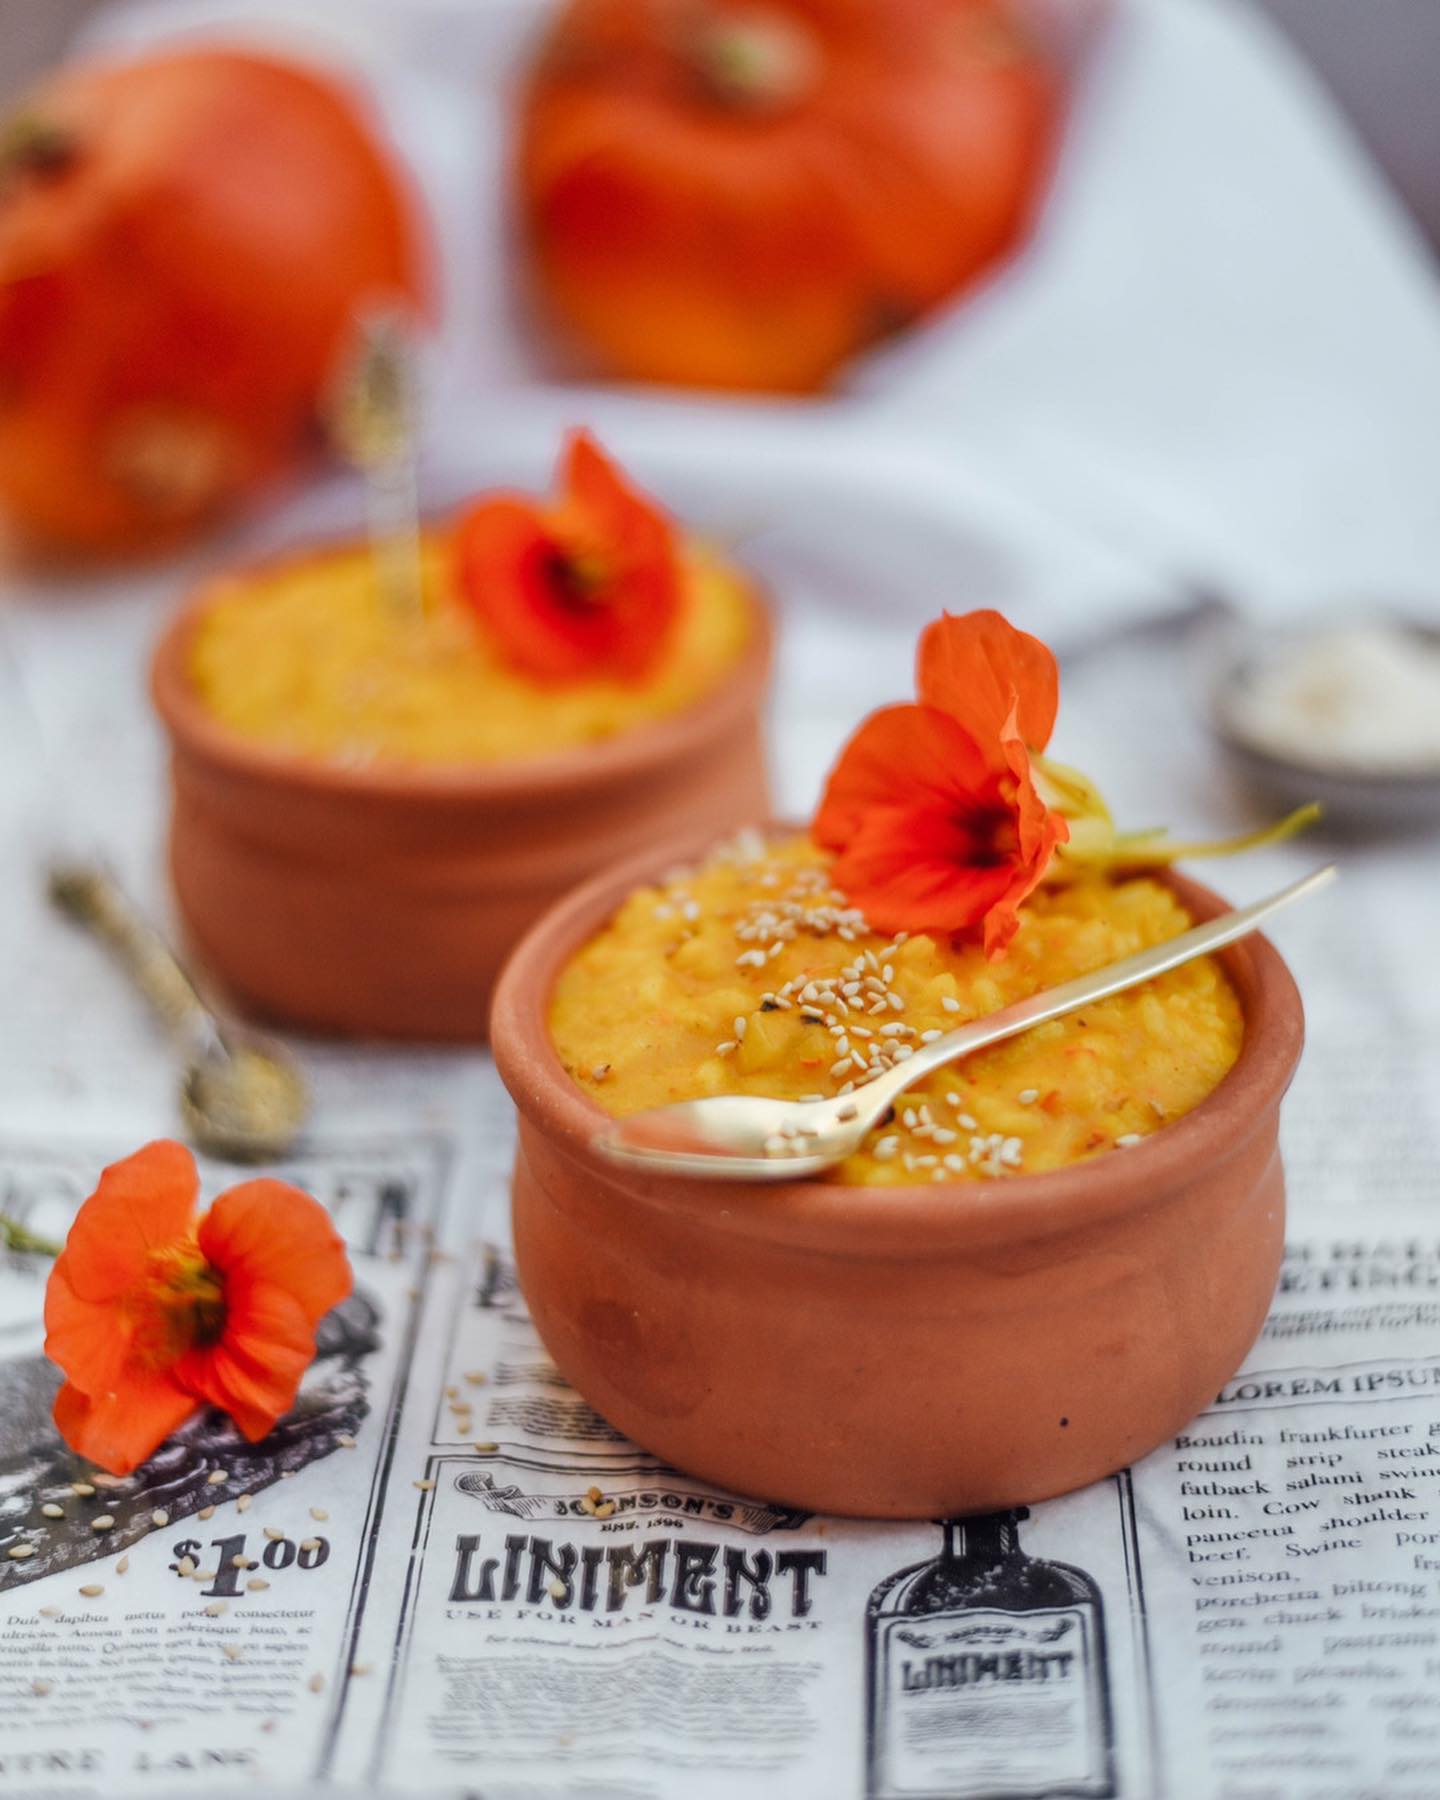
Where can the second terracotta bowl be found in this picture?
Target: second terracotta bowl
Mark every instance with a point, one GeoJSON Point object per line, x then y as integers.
{"type": "Point", "coordinates": [899, 1352]}
{"type": "Point", "coordinates": [383, 901]}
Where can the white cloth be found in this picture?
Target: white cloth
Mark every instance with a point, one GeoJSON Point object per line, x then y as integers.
{"type": "Point", "coordinates": [1219, 360]}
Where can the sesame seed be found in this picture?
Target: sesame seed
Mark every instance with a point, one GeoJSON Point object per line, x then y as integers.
{"type": "Point", "coordinates": [929, 1037]}
{"type": "Point", "coordinates": [257, 1586]}
{"type": "Point", "coordinates": [18, 1552]}
{"type": "Point", "coordinates": [725, 1048]}
{"type": "Point", "coordinates": [426, 1483]}
{"type": "Point", "coordinates": [318, 1512]}
{"type": "Point", "coordinates": [1028, 1096]}
{"type": "Point", "coordinates": [345, 1441]}
{"type": "Point", "coordinates": [52, 1511]}
{"type": "Point", "coordinates": [92, 1590]}
{"type": "Point", "coordinates": [233, 1651]}
{"type": "Point", "coordinates": [159, 1518]}
{"type": "Point", "coordinates": [275, 1534]}
{"type": "Point", "coordinates": [49, 1612]}
{"type": "Point", "coordinates": [103, 1522]}
{"type": "Point", "coordinates": [82, 1488]}
{"type": "Point", "coordinates": [600, 1071]}
{"type": "Point", "coordinates": [741, 1025]}
{"type": "Point", "coordinates": [485, 1449]}
{"type": "Point", "coordinates": [206, 1512]}
{"type": "Point", "coordinates": [185, 1567]}
{"type": "Point", "coordinates": [949, 1003]}
{"type": "Point", "coordinates": [123, 1566]}
{"type": "Point", "coordinates": [557, 1590]}
{"type": "Point", "coordinates": [244, 1503]}
{"type": "Point", "coordinates": [1130, 1140]}
{"type": "Point", "coordinates": [216, 1477]}
{"type": "Point", "coordinates": [41, 1686]}
{"type": "Point", "coordinates": [310, 1543]}
{"type": "Point", "coordinates": [837, 1069]}
{"type": "Point", "coordinates": [214, 1609]}
{"type": "Point", "coordinates": [317, 1684]}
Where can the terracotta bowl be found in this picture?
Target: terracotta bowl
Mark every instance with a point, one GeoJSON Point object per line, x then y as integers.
{"type": "Point", "coordinates": [899, 1352]}
{"type": "Point", "coordinates": [383, 901]}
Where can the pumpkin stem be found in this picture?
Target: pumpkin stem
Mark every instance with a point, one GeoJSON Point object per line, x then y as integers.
{"type": "Point", "coordinates": [34, 145]}
{"type": "Point", "coordinates": [756, 61]}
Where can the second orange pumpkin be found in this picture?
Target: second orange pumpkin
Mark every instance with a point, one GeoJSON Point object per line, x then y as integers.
{"type": "Point", "coordinates": [745, 196]}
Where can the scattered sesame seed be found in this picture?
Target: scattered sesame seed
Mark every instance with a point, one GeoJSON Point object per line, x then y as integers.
{"type": "Point", "coordinates": [345, 1441]}
{"type": "Point", "coordinates": [485, 1449]}
{"type": "Point", "coordinates": [18, 1552]}
{"type": "Point", "coordinates": [257, 1586]}
{"type": "Point", "coordinates": [123, 1566]}
{"type": "Point", "coordinates": [233, 1651]}
{"type": "Point", "coordinates": [476, 1377]}
{"type": "Point", "coordinates": [600, 1071]}
{"type": "Point", "coordinates": [82, 1488]}
{"type": "Point", "coordinates": [359, 1668]}
{"type": "Point", "coordinates": [1130, 1140]}
{"type": "Point", "coordinates": [1028, 1096]}
{"type": "Point", "coordinates": [52, 1511]}
{"type": "Point", "coordinates": [318, 1512]}
{"type": "Point", "coordinates": [274, 1533]}
{"type": "Point", "coordinates": [49, 1612]}
{"type": "Point", "coordinates": [103, 1522]}
{"type": "Point", "coordinates": [214, 1609]}
{"type": "Point", "coordinates": [310, 1543]}
{"type": "Point", "coordinates": [557, 1590]}
{"type": "Point", "coordinates": [92, 1590]}
{"type": "Point", "coordinates": [185, 1567]}
{"type": "Point", "coordinates": [40, 1686]}
{"type": "Point", "coordinates": [244, 1503]}
{"type": "Point", "coordinates": [206, 1512]}
{"type": "Point", "coordinates": [216, 1476]}
{"type": "Point", "coordinates": [159, 1518]}
{"type": "Point", "coordinates": [949, 1003]}
{"type": "Point", "coordinates": [425, 1484]}
{"type": "Point", "coordinates": [317, 1684]}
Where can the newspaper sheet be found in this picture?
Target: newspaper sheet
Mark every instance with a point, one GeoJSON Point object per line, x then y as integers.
{"type": "Point", "coordinates": [474, 1586]}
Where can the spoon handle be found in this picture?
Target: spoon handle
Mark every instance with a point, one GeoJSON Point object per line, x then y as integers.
{"type": "Point", "coordinates": [1113, 978]}
{"type": "Point", "coordinates": [87, 893]}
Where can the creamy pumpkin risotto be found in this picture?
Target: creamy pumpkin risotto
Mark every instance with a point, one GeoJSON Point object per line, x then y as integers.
{"type": "Point", "coordinates": [308, 656]}
{"type": "Point", "coordinates": [750, 975]}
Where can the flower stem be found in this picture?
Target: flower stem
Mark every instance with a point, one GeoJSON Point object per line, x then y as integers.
{"type": "Point", "coordinates": [22, 1241]}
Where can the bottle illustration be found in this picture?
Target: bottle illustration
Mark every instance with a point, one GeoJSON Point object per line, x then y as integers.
{"type": "Point", "coordinates": [987, 1675]}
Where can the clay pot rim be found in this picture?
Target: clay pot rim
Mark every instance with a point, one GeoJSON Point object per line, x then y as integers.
{"type": "Point", "coordinates": [901, 1221]}
{"type": "Point", "coordinates": [655, 743]}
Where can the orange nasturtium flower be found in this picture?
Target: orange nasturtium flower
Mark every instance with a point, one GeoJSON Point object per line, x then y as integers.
{"type": "Point", "coordinates": [586, 585]}
{"type": "Point", "coordinates": [932, 811]}
{"type": "Point", "coordinates": [151, 1316]}
{"type": "Point", "coordinates": [945, 815]}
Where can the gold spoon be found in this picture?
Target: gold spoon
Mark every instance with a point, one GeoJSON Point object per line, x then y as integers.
{"type": "Point", "coordinates": [373, 421]}
{"type": "Point", "coordinates": [241, 1098]}
{"type": "Point", "coordinates": [747, 1137]}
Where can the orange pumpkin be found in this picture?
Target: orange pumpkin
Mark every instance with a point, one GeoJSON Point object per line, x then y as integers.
{"type": "Point", "coordinates": [745, 195]}
{"type": "Point", "coordinates": [184, 240]}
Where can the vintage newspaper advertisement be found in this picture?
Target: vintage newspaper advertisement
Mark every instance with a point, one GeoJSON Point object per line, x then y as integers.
{"type": "Point", "coordinates": [445, 1573]}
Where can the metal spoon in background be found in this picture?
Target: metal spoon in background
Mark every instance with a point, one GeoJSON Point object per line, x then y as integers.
{"type": "Point", "coordinates": [373, 422]}
{"type": "Point", "coordinates": [241, 1098]}
{"type": "Point", "coordinates": [747, 1137]}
